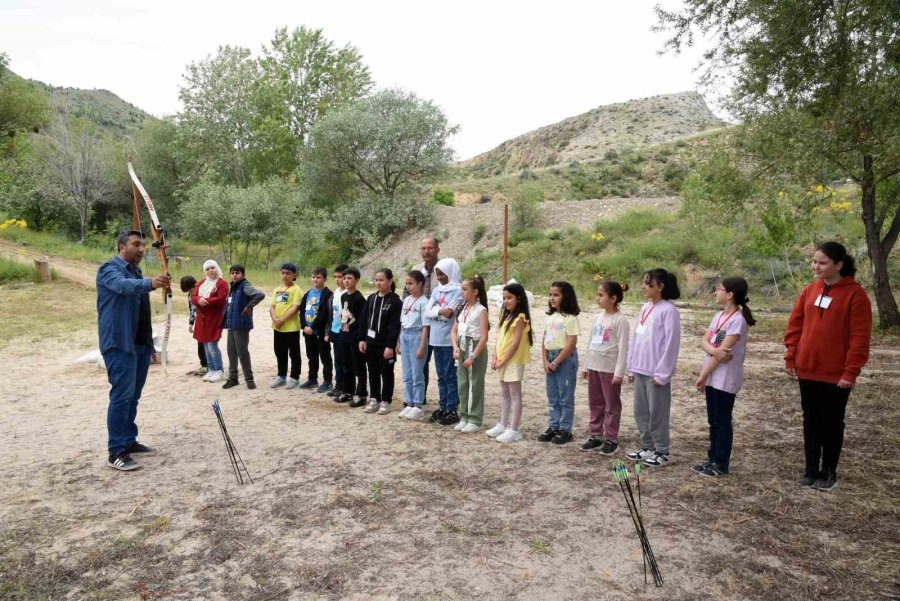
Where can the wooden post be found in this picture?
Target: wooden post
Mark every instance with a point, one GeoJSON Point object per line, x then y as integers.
{"type": "Point", "coordinates": [43, 268]}
{"type": "Point", "coordinates": [505, 243]}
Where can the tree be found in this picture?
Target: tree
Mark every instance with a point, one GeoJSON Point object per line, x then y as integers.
{"type": "Point", "coordinates": [23, 106]}
{"type": "Point", "coordinates": [78, 167]}
{"type": "Point", "coordinates": [383, 144]}
{"type": "Point", "coordinates": [818, 85]}
{"type": "Point", "coordinates": [303, 78]}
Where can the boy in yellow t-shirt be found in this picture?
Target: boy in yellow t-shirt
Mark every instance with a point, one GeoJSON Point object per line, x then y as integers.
{"type": "Point", "coordinates": [285, 314]}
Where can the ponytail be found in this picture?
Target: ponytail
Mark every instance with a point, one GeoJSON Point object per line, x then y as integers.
{"type": "Point", "coordinates": [659, 275]}
{"type": "Point", "coordinates": [613, 288]}
{"type": "Point", "coordinates": [739, 288]}
{"type": "Point", "coordinates": [837, 253]}
{"type": "Point", "coordinates": [389, 275]}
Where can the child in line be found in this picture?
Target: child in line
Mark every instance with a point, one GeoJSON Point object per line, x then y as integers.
{"type": "Point", "coordinates": [604, 369]}
{"type": "Point", "coordinates": [469, 338]}
{"type": "Point", "coordinates": [242, 297]}
{"type": "Point", "coordinates": [285, 315]}
{"type": "Point", "coordinates": [314, 322]}
{"type": "Point", "coordinates": [511, 354]}
{"type": "Point", "coordinates": [210, 296]}
{"type": "Point", "coordinates": [560, 357]}
{"type": "Point", "coordinates": [439, 315]}
{"type": "Point", "coordinates": [354, 362]}
{"type": "Point", "coordinates": [413, 345]}
{"type": "Point", "coordinates": [333, 334]}
{"type": "Point", "coordinates": [652, 359]}
{"type": "Point", "coordinates": [187, 285]}
{"type": "Point", "coordinates": [379, 332]}
{"type": "Point", "coordinates": [722, 375]}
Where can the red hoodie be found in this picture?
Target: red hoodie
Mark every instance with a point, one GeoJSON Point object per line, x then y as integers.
{"type": "Point", "coordinates": [830, 344]}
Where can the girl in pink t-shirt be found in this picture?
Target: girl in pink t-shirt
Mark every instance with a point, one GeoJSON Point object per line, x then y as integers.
{"type": "Point", "coordinates": [722, 375]}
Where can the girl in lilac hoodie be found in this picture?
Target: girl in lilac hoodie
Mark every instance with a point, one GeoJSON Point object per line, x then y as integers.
{"type": "Point", "coordinates": [652, 357]}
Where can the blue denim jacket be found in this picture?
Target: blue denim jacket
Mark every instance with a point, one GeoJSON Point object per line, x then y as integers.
{"type": "Point", "coordinates": [119, 289]}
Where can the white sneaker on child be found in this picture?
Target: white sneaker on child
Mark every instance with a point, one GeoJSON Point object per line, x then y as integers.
{"type": "Point", "coordinates": [215, 376]}
{"type": "Point", "coordinates": [415, 413]}
{"type": "Point", "coordinates": [372, 407]}
{"type": "Point", "coordinates": [469, 428]}
{"type": "Point", "coordinates": [496, 431]}
{"type": "Point", "coordinates": [384, 408]}
{"type": "Point", "coordinates": [510, 436]}
{"type": "Point", "coordinates": [405, 411]}
{"type": "Point", "coordinates": [460, 425]}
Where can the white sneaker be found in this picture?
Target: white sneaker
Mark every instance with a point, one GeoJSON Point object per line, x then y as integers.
{"type": "Point", "coordinates": [510, 435]}
{"type": "Point", "coordinates": [277, 382]}
{"type": "Point", "coordinates": [292, 383]}
{"type": "Point", "coordinates": [415, 413]}
{"type": "Point", "coordinates": [470, 428]}
{"type": "Point", "coordinates": [384, 408]}
{"type": "Point", "coordinates": [207, 375]}
{"type": "Point", "coordinates": [658, 460]}
{"type": "Point", "coordinates": [496, 431]}
{"type": "Point", "coordinates": [460, 425]}
{"type": "Point", "coordinates": [372, 406]}
{"type": "Point", "coordinates": [405, 411]}
{"type": "Point", "coordinates": [215, 376]}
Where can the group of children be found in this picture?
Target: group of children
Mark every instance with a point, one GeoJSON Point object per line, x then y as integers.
{"type": "Point", "coordinates": [358, 340]}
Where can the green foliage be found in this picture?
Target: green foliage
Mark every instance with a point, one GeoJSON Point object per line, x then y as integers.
{"type": "Point", "coordinates": [716, 191]}
{"type": "Point", "coordinates": [478, 232]}
{"type": "Point", "coordinates": [383, 144]}
{"type": "Point", "coordinates": [443, 196]}
{"type": "Point", "coordinates": [524, 205]}
{"type": "Point", "coordinates": [359, 226]}
{"type": "Point", "coordinates": [13, 271]}
{"type": "Point", "coordinates": [23, 106]}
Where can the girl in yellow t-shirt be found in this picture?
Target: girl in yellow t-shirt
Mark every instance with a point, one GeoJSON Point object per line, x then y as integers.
{"type": "Point", "coordinates": [512, 353]}
{"type": "Point", "coordinates": [560, 359]}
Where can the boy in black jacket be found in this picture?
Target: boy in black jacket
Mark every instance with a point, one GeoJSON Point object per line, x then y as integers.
{"type": "Point", "coordinates": [354, 362]}
{"type": "Point", "coordinates": [379, 332]}
{"type": "Point", "coordinates": [314, 323]}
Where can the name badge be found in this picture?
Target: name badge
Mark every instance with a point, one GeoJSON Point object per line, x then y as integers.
{"type": "Point", "coordinates": [640, 329]}
{"type": "Point", "coordinates": [371, 333]}
{"type": "Point", "coordinates": [823, 302]}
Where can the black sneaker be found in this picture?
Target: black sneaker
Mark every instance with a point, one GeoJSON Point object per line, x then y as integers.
{"type": "Point", "coordinates": [592, 444]}
{"type": "Point", "coordinates": [548, 435]}
{"type": "Point", "coordinates": [229, 384]}
{"type": "Point", "coordinates": [359, 401]}
{"type": "Point", "coordinates": [435, 416]}
{"type": "Point", "coordinates": [701, 466]}
{"type": "Point", "coordinates": [562, 437]}
{"type": "Point", "coordinates": [343, 398]}
{"type": "Point", "coordinates": [449, 418]}
{"type": "Point", "coordinates": [609, 447]}
{"type": "Point", "coordinates": [310, 384]}
{"type": "Point", "coordinates": [809, 479]}
{"type": "Point", "coordinates": [827, 483]}
{"type": "Point", "coordinates": [711, 469]}
{"type": "Point", "coordinates": [251, 385]}
{"type": "Point", "coordinates": [122, 462]}
{"type": "Point", "coordinates": [137, 447]}
{"type": "Point", "coordinates": [334, 392]}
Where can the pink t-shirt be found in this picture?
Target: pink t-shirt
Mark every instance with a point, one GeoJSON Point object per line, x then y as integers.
{"type": "Point", "coordinates": [728, 377]}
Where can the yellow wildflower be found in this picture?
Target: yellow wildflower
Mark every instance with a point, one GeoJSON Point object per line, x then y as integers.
{"type": "Point", "coordinates": [598, 236]}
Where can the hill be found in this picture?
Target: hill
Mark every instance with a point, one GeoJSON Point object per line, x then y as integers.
{"type": "Point", "coordinates": [116, 116]}
{"type": "Point", "coordinates": [635, 123]}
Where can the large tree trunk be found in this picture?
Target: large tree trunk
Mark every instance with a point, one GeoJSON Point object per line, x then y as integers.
{"type": "Point", "coordinates": [888, 313]}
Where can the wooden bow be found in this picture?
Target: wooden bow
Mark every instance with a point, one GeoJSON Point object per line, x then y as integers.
{"type": "Point", "coordinates": [159, 243]}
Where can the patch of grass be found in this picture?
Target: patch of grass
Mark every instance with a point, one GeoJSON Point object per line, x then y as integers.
{"type": "Point", "coordinates": [375, 489]}
{"type": "Point", "coordinates": [539, 546]}
{"type": "Point", "coordinates": [13, 271]}
{"type": "Point", "coordinates": [478, 232]}
{"type": "Point", "coordinates": [60, 309]}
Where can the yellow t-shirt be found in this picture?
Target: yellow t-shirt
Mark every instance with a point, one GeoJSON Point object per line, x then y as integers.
{"type": "Point", "coordinates": [557, 329]}
{"type": "Point", "coordinates": [515, 369]}
{"type": "Point", "coordinates": [283, 299]}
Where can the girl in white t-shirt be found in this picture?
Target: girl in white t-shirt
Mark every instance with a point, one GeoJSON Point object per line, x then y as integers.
{"type": "Point", "coordinates": [469, 338]}
{"type": "Point", "coordinates": [414, 345]}
{"type": "Point", "coordinates": [722, 375]}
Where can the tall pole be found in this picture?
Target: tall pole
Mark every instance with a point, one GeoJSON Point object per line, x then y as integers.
{"type": "Point", "coordinates": [505, 243]}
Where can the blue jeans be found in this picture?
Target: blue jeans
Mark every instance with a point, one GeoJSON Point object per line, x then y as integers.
{"type": "Point", "coordinates": [127, 373]}
{"type": "Point", "coordinates": [413, 369]}
{"type": "Point", "coordinates": [213, 356]}
{"type": "Point", "coordinates": [448, 396]}
{"type": "Point", "coordinates": [561, 391]}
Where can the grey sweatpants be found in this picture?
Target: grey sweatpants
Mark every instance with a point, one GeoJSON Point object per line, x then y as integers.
{"type": "Point", "coordinates": [239, 348]}
{"type": "Point", "coordinates": [652, 404]}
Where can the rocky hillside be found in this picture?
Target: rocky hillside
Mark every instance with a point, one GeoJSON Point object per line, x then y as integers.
{"type": "Point", "coordinates": [635, 123]}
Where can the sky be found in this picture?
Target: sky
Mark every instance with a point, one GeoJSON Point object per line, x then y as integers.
{"type": "Point", "coordinates": [498, 69]}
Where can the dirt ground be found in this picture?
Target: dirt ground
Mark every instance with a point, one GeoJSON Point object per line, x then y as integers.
{"type": "Point", "coordinates": [357, 506]}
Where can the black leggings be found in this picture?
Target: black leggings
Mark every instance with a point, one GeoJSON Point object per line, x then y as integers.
{"type": "Point", "coordinates": [353, 363]}
{"type": "Point", "coordinates": [381, 373]}
{"type": "Point", "coordinates": [824, 406]}
{"type": "Point", "coordinates": [287, 344]}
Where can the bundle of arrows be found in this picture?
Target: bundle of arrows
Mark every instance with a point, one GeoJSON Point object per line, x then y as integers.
{"type": "Point", "coordinates": [237, 464]}
{"type": "Point", "coordinates": [621, 476]}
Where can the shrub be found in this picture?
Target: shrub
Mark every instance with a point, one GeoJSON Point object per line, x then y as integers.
{"type": "Point", "coordinates": [554, 235]}
{"type": "Point", "coordinates": [524, 205]}
{"type": "Point", "coordinates": [443, 196]}
{"type": "Point", "coordinates": [478, 232]}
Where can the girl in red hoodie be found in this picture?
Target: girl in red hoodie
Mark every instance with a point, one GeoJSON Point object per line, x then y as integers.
{"type": "Point", "coordinates": [827, 340]}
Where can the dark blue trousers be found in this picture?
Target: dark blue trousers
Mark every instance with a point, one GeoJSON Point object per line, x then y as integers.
{"type": "Point", "coordinates": [127, 373]}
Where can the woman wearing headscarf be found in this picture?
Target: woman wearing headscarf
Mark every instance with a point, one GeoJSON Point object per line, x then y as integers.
{"type": "Point", "coordinates": [440, 314]}
{"type": "Point", "coordinates": [210, 296]}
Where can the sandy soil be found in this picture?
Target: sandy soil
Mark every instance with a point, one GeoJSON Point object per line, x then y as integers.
{"type": "Point", "coordinates": [350, 505]}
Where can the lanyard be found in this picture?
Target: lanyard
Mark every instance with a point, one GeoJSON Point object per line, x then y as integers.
{"type": "Point", "coordinates": [719, 324]}
{"type": "Point", "coordinates": [378, 327]}
{"type": "Point", "coordinates": [644, 316]}
{"type": "Point", "coordinates": [412, 305]}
